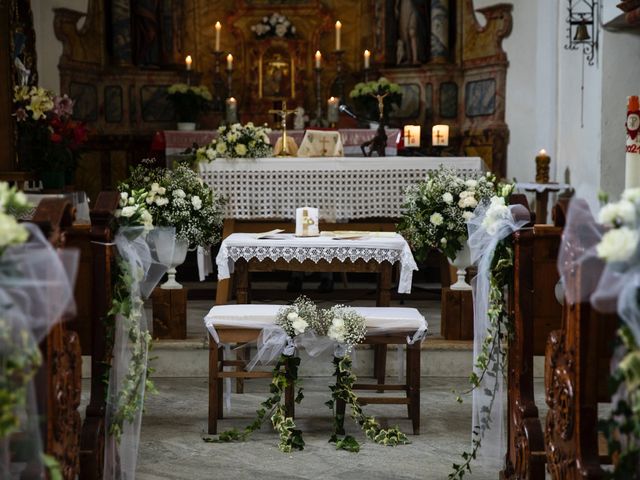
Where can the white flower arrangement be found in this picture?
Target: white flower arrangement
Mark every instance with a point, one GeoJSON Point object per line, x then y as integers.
{"type": "Point", "coordinates": [295, 319]}
{"type": "Point", "coordinates": [178, 198]}
{"type": "Point", "coordinates": [13, 203]}
{"type": "Point", "coordinates": [436, 211]}
{"type": "Point", "coordinates": [620, 244]}
{"type": "Point", "coordinates": [237, 141]}
{"type": "Point", "coordinates": [497, 211]}
{"type": "Point", "coordinates": [342, 324]}
{"type": "Point", "coordinates": [274, 25]}
{"type": "Point", "coordinates": [133, 211]}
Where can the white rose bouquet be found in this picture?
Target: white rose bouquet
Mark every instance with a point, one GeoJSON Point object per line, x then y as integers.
{"type": "Point", "coordinates": [178, 198]}
{"type": "Point", "coordinates": [437, 210]}
{"type": "Point", "coordinates": [295, 319]}
{"type": "Point", "coordinates": [132, 209]}
{"type": "Point", "coordinates": [237, 141]}
{"type": "Point", "coordinates": [342, 324]}
{"type": "Point", "coordinates": [620, 243]}
{"type": "Point", "coordinates": [274, 25]}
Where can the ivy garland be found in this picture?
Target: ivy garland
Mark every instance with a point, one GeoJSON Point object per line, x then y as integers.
{"type": "Point", "coordinates": [491, 361]}
{"type": "Point", "coordinates": [342, 390]}
{"type": "Point", "coordinates": [285, 374]}
{"type": "Point", "coordinates": [622, 428]}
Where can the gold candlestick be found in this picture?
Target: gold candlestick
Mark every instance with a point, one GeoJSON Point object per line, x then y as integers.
{"type": "Point", "coordinates": [283, 112]}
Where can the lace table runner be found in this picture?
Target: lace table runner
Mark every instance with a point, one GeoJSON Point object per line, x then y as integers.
{"type": "Point", "coordinates": [342, 188]}
{"type": "Point", "coordinates": [245, 246]}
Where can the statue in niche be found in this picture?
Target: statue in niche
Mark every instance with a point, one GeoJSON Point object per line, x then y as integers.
{"type": "Point", "coordinates": [22, 72]}
{"type": "Point", "coordinates": [146, 28]}
{"type": "Point", "coordinates": [411, 32]}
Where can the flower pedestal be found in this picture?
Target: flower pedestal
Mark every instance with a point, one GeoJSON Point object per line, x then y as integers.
{"type": "Point", "coordinates": [179, 255]}
{"type": "Point", "coordinates": [170, 313]}
{"type": "Point", "coordinates": [461, 262]}
{"type": "Point", "coordinates": [457, 314]}
{"type": "Point", "coordinates": [186, 126]}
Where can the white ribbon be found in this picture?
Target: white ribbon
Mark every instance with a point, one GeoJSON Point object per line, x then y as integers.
{"type": "Point", "coordinates": [36, 291]}
{"type": "Point", "coordinates": [483, 244]}
{"type": "Point", "coordinates": [138, 248]}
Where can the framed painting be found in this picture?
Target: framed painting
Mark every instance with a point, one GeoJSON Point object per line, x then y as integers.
{"type": "Point", "coordinates": [276, 74]}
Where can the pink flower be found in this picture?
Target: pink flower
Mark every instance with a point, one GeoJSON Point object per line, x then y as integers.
{"type": "Point", "coordinates": [63, 105]}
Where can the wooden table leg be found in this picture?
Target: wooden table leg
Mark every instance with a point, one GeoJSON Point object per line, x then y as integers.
{"type": "Point", "coordinates": [413, 385]}
{"type": "Point", "coordinates": [242, 297]}
{"type": "Point", "coordinates": [215, 387]}
{"type": "Point", "coordinates": [542, 200]}
{"type": "Point", "coordinates": [383, 300]}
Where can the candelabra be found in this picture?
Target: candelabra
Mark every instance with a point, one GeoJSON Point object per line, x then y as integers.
{"type": "Point", "coordinates": [229, 82]}
{"type": "Point", "coordinates": [219, 93]}
{"type": "Point", "coordinates": [318, 121]}
{"type": "Point", "coordinates": [367, 71]}
{"type": "Point", "coordinates": [340, 80]}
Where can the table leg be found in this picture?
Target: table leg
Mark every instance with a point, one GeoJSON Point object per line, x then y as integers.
{"type": "Point", "coordinates": [542, 200]}
{"type": "Point", "coordinates": [223, 288]}
{"type": "Point", "coordinates": [383, 300]}
{"type": "Point", "coordinates": [242, 297]}
{"type": "Point", "coordinates": [215, 387]}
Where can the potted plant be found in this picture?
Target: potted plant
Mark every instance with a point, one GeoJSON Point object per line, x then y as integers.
{"type": "Point", "coordinates": [364, 96]}
{"type": "Point", "coordinates": [189, 102]}
{"type": "Point", "coordinates": [49, 140]}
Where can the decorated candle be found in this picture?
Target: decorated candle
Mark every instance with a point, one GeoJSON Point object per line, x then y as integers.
{"type": "Point", "coordinates": [318, 59]}
{"type": "Point", "coordinates": [229, 62]}
{"type": "Point", "coordinates": [218, 28]}
{"type": "Point", "coordinates": [307, 222]}
{"type": "Point", "coordinates": [332, 110]}
{"type": "Point", "coordinates": [338, 35]}
{"type": "Point", "coordinates": [188, 61]}
{"type": "Point", "coordinates": [367, 59]}
{"type": "Point", "coordinates": [412, 136]}
{"type": "Point", "coordinates": [632, 158]}
{"type": "Point", "coordinates": [440, 135]}
{"type": "Point", "coordinates": [542, 166]}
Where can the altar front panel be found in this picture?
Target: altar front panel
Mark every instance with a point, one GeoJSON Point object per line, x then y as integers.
{"type": "Point", "coordinates": [342, 188]}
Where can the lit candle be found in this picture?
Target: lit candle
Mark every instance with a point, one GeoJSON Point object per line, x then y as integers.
{"type": "Point", "coordinates": [412, 136]}
{"type": "Point", "coordinates": [332, 110]}
{"type": "Point", "coordinates": [542, 166]}
{"type": "Point", "coordinates": [440, 135]}
{"type": "Point", "coordinates": [338, 33]}
{"type": "Point", "coordinates": [318, 59]}
{"type": "Point", "coordinates": [232, 110]}
{"type": "Point", "coordinates": [229, 62]}
{"type": "Point", "coordinates": [367, 59]}
{"type": "Point", "coordinates": [188, 61]}
{"type": "Point", "coordinates": [218, 28]}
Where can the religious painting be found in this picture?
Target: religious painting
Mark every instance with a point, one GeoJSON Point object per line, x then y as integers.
{"type": "Point", "coordinates": [410, 104]}
{"type": "Point", "coordinates": [120, 31]}
{"type": "Point", "coordinates": [449, 100]}
{"type": "Point", "coordinates": [155, 105]}
{"type": "Point", "coordinates": [480, 98]}
{"type": "Point", "coordinates": [22, 44]}
{"type": "Point", "coordinates": [276, 74]}
{"type": "Point", "coordinates": [113, 104]}
{"type": "Point", "coordinates": [85, 101]}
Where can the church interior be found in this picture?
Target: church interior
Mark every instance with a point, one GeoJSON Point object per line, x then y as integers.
{"type": "Point", "coordinates": [295, 239]}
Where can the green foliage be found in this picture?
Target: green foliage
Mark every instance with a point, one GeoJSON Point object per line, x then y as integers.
{"type": "Point", "coordinates": [342, 390]}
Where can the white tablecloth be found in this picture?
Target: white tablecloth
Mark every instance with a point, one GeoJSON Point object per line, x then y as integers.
{"type": "Point", "coordinates": [342, 188]}
{"type": "Point", "coordinates": [393, 249]}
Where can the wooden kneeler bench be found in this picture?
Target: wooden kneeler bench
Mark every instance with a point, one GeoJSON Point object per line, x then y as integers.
{"type": "Point", "coordinates": [238, 324]}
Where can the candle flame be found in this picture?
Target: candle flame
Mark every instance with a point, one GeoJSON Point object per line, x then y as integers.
{"type": "Point", "coordinates": [338, 24]}
{"type": "Point", "coordinates": [542, 152]}
{"type": "Point", "coordinates": [218, 26]}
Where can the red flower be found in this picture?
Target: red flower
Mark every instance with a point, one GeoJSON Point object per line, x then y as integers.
{"type": "Point", "coordinates": [56, 137]}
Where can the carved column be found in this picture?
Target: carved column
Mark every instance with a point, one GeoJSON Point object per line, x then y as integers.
{"type": "Point", "coordinates": [440, 22]}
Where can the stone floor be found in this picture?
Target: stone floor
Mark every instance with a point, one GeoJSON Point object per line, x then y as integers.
{"type": "Point", "coordinates": [174, 424]}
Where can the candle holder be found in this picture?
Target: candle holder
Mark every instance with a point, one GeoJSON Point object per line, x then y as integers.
{"type": "Point", "coordinates": [367, 72]}
{"type": "Point", "coordinates": [318, 121]}
{"type": "Point", "coordinates": [542, 167]}
{"type": "Point", "coordinates": [230, 82]}
{"type": "Point", "coordinates": [189, 77]}
{"type": "Point", "coordinates": [339, 81]}
{"type": "Point", "coordinates": [219, 88]}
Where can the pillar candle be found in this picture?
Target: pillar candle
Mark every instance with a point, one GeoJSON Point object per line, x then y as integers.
{"type": "Point", "coordinates": [232, 110]}
{"type": "Point", "coordinates": [332, 110]}
{"type": "Point", "coordinates": [542, 166]}
{"type": "Point", "coordinates": [229, 62]}
{"type": "Point", "coordinates": [218, 28]}
{"type": "Point", "coordinates": [632, 158]}
{"type": "Point", "coordinates": [318, 59]}
{"type": "Point", "coordinates": [412, 136]}
{"type": "Point", "coordinates": [367, 59]}
{"type": "Point", "coordinates": [338, 34]}
{"type": "Point", "coordinates": [440, 135]}
{"type": "Point", "coordinates": [188, 61]}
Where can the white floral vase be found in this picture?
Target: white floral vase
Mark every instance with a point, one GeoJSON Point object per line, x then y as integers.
{"type": "Point", "coordinates": [179, 255]}
{"type": "Point", "coordinates": [461, 262]}
{"type": "Point", "coordinates": [186, 126]}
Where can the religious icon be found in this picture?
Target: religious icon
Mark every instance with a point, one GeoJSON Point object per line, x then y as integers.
{"type": "Point", "coordinates": [276, 74]}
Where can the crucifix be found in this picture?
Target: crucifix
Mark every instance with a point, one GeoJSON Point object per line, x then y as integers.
{"type": "Point", "coordinates": [324, 145]}
{"type": "Point", "coordinates": [439, 137]}
{"type": "Point", "coordinates": [379, 142]}
{"type": "Point", "coordinates": [283, 112]}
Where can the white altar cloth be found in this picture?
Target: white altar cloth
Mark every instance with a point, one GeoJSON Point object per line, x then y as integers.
{"type": "Point", "coordinates": [393, 248]}
{"type": "Point", "coordinates": [342, 188]}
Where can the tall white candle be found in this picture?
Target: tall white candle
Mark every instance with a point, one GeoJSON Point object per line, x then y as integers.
{"type": "Point", "coordinates": [632, 158]}
{"type": "Point", "coordinates": [338, 34]}
{"type": "Point", "coordinates": [188, 61]}
{"type": "Point", "coordinates": [318, 59]}
{"type": "Point", "coordinates": [367, 59]}
{"type": "Point", "coordinates": [229, 62]}
{"type": "Point", "coordinates": [218, 28]}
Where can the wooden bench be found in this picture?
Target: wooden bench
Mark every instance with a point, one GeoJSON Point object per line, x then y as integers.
{"type": "Point", "coordinates": [243, 324]}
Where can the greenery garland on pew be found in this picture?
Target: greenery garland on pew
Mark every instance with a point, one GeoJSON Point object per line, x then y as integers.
{"type": "Point", "coordinates": [344, 326]}
{"type": "Point", "coordinates": [500, 329]}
